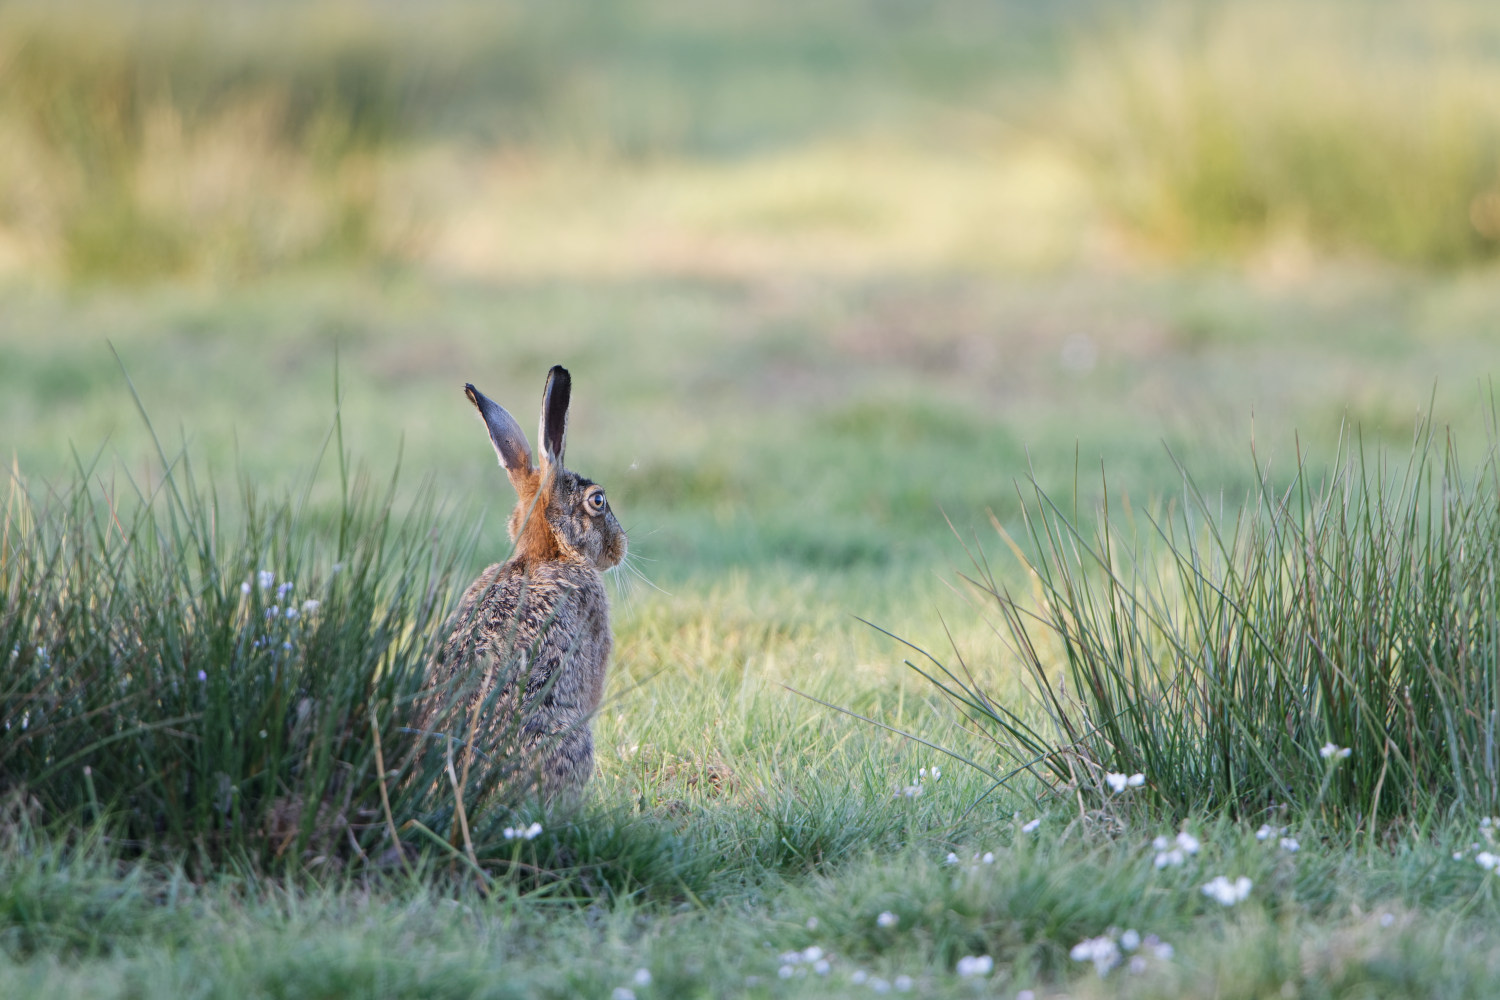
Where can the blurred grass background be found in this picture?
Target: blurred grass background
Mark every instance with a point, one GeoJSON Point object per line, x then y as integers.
{"type": "Point", "coordinates": [824, 272]}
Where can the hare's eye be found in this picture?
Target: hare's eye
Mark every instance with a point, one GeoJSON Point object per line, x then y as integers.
{"type": "Point", "coordinates": [596, 501]}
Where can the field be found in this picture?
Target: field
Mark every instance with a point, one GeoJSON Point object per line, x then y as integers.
{"type": "Point", "coordinates": [1048, 348]}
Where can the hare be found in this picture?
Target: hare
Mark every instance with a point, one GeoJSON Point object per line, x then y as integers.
{"type": "Point", "coordinates": [530, 641]}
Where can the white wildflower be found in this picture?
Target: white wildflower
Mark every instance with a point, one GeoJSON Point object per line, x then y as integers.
{"type": "Point", "coordinates": [1387, 919]}
{"type": "Point", "coordinates": [812, 953]}
{"type": "Point", "coordinates": [1225, 892]}
{"type": "Point", "coordinates": [812, 923]}
{"type": "Point", "coordinates": [887, 919]}
{"type": "Point", "coordinates": [975, 965]}
{"type": "Point", "coordinates": [311, 605]}
{"type": "Point", "coordinates": [1130, 940]}
{"type": "Point", "coordinates": [1137, 965]}
{"type": "Point", "coordinates": [786, 972]}
{"type": "Point", "coordinates": [1290, 845]}
{"type": "Point", "coordinates": [903, 984]}
{"type": "Point", "coordinates": [951, 859]}
{"type": "Point", "coordinates": [1119, 782]}
{"type": "Point", "coordinates": [1102, 951]}
{"type": "Point", "coordinates": [880, 986]}
{"type": "Point", "coordinates": [622, 993]}
{"type": "Point", "coordinates": [1332, 751]}
{"type": "Point", "coordinates": [244, 588]}
{"type": "Point", "coordinates": [203, 675]}
{"type": "Point", "coordinates": [910, 791]}
{"type": "Point", "coordinates": [642, 977]}
{"type": "Point", "coordinates": [821, 967]}
{"type": "Point", "coordinates": [291, 614]}
{"type": "Point", "coordinates": [858, 976]}
{"type": "Point", "coordinates": [989, 857]}
{"type": "Point", "coordinates": [283, 590]}
{"type": "Point", "coordinates": [1026, 995]}
{"type": "Point", "coordinates": [523, 833]}
{"type": "Point", "coordinates": [1486, 860]}
{"type": "Point", "coordinates": [266, 579]}
{"type": "Point", "coordinates": [1031, 827]}
{"type": "Point", "coordinates": [1188, 842]}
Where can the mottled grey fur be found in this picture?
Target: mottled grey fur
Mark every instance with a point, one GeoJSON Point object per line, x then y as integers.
{"type": "Point", "coordinates": [529, 644]}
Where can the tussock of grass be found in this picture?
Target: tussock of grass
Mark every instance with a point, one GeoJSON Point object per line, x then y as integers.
{"type": "Point", "coordinates": [1329, 651]}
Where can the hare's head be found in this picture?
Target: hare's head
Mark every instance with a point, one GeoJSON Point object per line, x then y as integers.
{"type": "Point", "coordinates": [560, 516]}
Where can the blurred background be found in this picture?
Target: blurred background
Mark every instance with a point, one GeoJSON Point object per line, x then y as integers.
{"type": "Point", "coordinates": [825, 274]}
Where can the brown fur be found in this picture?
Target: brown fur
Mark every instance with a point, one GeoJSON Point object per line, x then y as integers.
{"type": "Point", "coordinates": [537, 625]}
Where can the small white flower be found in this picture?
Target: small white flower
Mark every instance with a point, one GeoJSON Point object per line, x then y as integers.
{"type": "Point", "coordinates": [786, 972]}
{"type": "Point", "coordinates": [1130, 940]}
{"type": "Point", "coordinates": [203, 675]}
{"type": "Point", "coordinates": [642, 977]}
{"type": "Point", "coordinates": [1116, 781]}
{"type": "Point", "coordinates": [1169, 859]}
{"type": "Point", "coordinates": [1026, 995]}
{"type": "Point", "coordinates": [1031, 827]}
{"type": "Point", "coordinates": [266, 578]}
{"type": "Point", "coordinates": [821, 966]}
{"type": "Point", "coordinates": [1487, 822]}
{"type": "Point", "coordinates": [622, 993]}
{"type": "Point", "coordinates": [937, 773]}
{"type": "Point", "coordinates": [1486, 860]}
{"type": "Point", "coordinates": [1387, 919]}
{"type": "Point", "coordinates": [244, 588]}
{"type": "Point", "coordinates": [989, 857]}
{"type": "Point", "coordinates": [1102, 951]}
{"type": "Point", "coordinates": [272, 611]}
{"type": "Point", "coordinates": [887, 919]}
{"type": "Point", "coordinates": [1158, 947]}
{"type": "Point", "coordinates": [812, 923]}
{"type": "Point", "coordinates": [975, 965]}
{"type": "Point", "coordinates": [812, 953]}
{"type": "Point", "coordinates": [951, 859]}
{"type": "Point", "coordinates": [1458, 855]}
{"type": "Point", "coordinates": [904, 984]}
{"type": "Point", "coordinates": [1290, 845]}
{"type": "Point", "coordinates": [1188, 842]}
{"type": "Point", "coordinates": [1225, 892]}
{"type": "Point", "coordinates": [291, 614]}
{"type": "Point", "coordinates": [1137, 965]}
{"type": "Point", "coordinates": [880, 986]}
{"type": "Point", "coordinates": [283, 590]}
{"type": "Point", "coordinates": [533, 831]}
{"type": "Point", "coordinates": [310, 605]}
{"type": "Point", "coordinates": [1332, 751]}
{"type": "Point", "coordinates": [910, 791]}
{"type": "Point", "coordinates": [791, 957]}
{"type": "Point", "coordinates": [858, 976]}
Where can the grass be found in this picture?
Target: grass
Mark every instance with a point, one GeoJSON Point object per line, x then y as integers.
{"type": "Point", "coordinates": [516, 140]}
{"type": "Point", "coordinates": [832, 281]}
{"type": "Point", "coordinates": [1326, 650]}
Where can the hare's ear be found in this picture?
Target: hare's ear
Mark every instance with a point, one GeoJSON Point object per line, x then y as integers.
{"type": "Point", "coordinates": [506, 435]}
{"type": "Point", "coordinates": [553, 431]}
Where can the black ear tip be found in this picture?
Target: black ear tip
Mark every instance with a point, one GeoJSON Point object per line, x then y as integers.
{"type": "Point", "coordinates": [471, 393]}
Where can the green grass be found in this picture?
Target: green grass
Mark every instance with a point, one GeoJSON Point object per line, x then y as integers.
{"type": "Point", "coordinates": [836, 283]}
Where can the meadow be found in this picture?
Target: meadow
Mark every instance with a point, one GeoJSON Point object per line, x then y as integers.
{"type": "Point", "coordinates": [1001, 402]}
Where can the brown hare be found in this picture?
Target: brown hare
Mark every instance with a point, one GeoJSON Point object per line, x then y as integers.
{"type": "Point", "coordinates": [529, 644]}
